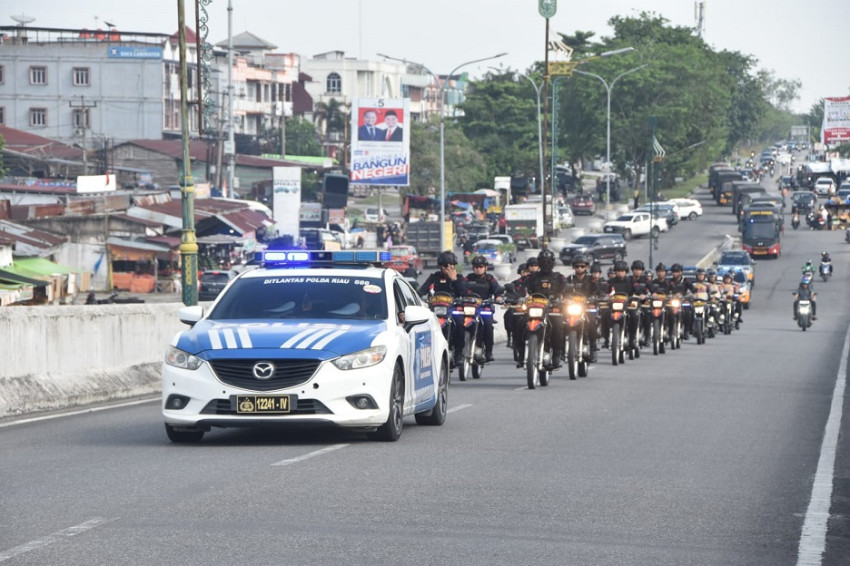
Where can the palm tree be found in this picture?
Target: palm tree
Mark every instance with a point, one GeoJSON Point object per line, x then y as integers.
{"type": "Point", "coordinates": [331, 116]}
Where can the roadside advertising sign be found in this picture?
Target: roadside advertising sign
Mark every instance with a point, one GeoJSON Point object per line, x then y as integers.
{"type": "Point", "coordinates": [380, 144]}
{"type": "Point", "coordinates": [836, 120]}
{"type": "Point", "coordinates": [286, 200]}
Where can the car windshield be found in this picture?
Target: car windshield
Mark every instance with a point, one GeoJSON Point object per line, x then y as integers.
{"type": "Point", "coordinates": [736, 259]}
{"type": "Point", "coordinates": [585, 240]}
{"type": "Point", "coordinates": [625, 218]}
{"type": "Point", "coordinates": [280, 295]}
{"type": "Point", "coordinates": [766, 230]}
{"type": "Point", "coordinates": [487, 247]}
{"type": "Point", "coordinates": [400, 252]}
{"type": "Point", "coordinates": [214, 278]}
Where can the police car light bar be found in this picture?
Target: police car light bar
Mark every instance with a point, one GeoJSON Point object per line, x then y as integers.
{"type": "Point", "coordinates": [317, 257]}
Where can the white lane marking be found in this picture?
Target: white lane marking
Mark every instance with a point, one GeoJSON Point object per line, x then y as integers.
{"type": "Point", "coordinates": [310, 455]}
{"type": "Point", "coordinates": [52, 538]}
{"type": "Point", "coordinates": [80, 412]}
{"type": "Point", "coordinates": [813, 537]}
{"type": "Point", "coordinates": [458, 408]}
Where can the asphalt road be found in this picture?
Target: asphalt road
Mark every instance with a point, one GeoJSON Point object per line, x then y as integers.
{"type": "Point", "coordinates": [705, 455]}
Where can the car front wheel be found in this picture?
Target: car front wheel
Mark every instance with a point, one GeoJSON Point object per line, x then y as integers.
{"type": "Point", "coordinates": [391, 430]}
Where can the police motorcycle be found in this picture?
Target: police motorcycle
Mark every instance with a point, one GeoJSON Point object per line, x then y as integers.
{"type": "Point", "coordinates": [575, 330]}
{"type": "Point", "coordinates": [658, 313]}
{"type": "Point", "coordinates": [674, 306]}
{"type": "Point", "coordinates": [634, 312]}
{"type": "Point", "coordinates": [443, 306]}
{"type": "Point", "coordinates": [702, 321]}
{"type": "Point", "coordinates": [539, 350]}
{"type": "Point", "coordinates": [617, 327]}
{"type": "Point", "coordinates": [515, 304]}
{"type": "Point", "coordinates": [473, 309]}
{"type": "Point", "coordinates": [795, 223]}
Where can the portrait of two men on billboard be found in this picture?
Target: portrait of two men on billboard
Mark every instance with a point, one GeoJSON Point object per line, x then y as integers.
{"type": "Point", "coordinates": [380, 125]}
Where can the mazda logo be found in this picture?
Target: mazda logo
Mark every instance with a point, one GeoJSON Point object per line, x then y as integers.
{"type": "Point", "coordinates": [263, 370]}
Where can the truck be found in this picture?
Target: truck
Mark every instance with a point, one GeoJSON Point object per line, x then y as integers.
{"type": "Point", "coordinates": [524, 219]}
{"type": "Point", "coordinates": [425, 237]}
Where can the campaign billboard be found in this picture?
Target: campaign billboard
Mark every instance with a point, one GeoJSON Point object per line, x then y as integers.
{"type": "Point", "coordinates": [380, 144]}
{"type": "Point", "coordinates": [836, 120]}
{"type": "Point", "coordinates": [286, 200]}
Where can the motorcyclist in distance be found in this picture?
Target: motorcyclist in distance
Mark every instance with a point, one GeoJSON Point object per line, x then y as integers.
{"type": "Point", "coordinates": [805, 291]}
{"type": "Point", "coordinates": [641, 282]}
{"type": "Point", "coordinates": [824, 258]}
{"type": "Point", "coordinates": [487, 287]}
{"type": "Point", "coordinates": [514, 291]}
{"type": "Point", "coordinates": [447, 280]}
{"type": "Point", "coordinates": [681, 286]}
{"type": "Point", "coordinates": [808, 268]}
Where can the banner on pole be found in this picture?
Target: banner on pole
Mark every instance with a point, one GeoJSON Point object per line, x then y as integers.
{"type": "Point", "coordinates": [380, 144]}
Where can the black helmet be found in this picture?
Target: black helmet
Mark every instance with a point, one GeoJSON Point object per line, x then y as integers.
{"type": "Point", "coordinates": [660, 267]}
{"type": "Point", "coordinates": [531, 262]}
{"type": "Point", "coordinates": [579, 259]}
{"type": "Point", "coordinates": [700, 271]}
{"type": "Point", "coordinates": [638, 264]}
{"type": "Point", "coordinates": [479, 261]}
{"type": "Point", "coordinates": [446, 258]}
{"type": "Point", "coordinates": [621, 266]}
{"type": "Point", "coordinates": [711, 273]}
{"type": "Point", "coordinates": [596, 268]}
{"type": "Point", "coordinates": [676, 267]}
{"type": "Point", "coordinates": [546, 259]}
{"type": "Point", "coordinates": [522, 267]}
{"type": "Point", "coordinates": [727, 274]}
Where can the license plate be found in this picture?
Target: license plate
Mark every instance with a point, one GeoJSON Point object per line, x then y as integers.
{"type": "Point", "coordinates": [254, 404]}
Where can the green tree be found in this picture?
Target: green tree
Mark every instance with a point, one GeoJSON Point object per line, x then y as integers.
{"type": "Point", "coordinates": [465, 167]}
{"type": "Point", "coordinates": [331, 116]}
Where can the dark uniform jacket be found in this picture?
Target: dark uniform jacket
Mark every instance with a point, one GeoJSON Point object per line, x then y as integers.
{"type": "Point", "coordinates": [437, 282]}
{"type": "Point", "coordinates": [485, 285]}
{"type": "Point", "coordinates": [551, 284]}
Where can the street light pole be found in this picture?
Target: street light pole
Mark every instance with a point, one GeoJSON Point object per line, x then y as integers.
{"type": "Point", "coordinates": [608, 88]}
{"type": "Point", "coordinates": [539, 134]}
{"type": "Point", "coordinates": [442, 131]}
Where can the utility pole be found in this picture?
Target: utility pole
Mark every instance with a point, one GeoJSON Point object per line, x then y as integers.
{"type": "Point", "coordinates": [230, 147]}
{"type": "Point", "coordinates": [85, 121]}
{"type": "Point", "coordinates": [188, 241]}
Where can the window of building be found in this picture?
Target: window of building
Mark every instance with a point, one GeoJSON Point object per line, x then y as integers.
{"type": "Point", "coordinates": [82, 76]}
{"type": "Point", "coordinates": [82, 118]}
{"type": "Point", "coordinates": [334, 83]}
{"type": "Point", "coordinates": [38, 116]}
{"type": "Point", "coordinates": [3, 115]}
{"type": "Point", "coordinates": [2, 74]}
{"type": "Point", "coordinates": [38, 75]}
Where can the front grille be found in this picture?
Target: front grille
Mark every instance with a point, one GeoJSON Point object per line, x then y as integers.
{"type": "Point", "coordinates": [304, 407]}
{"type": "Point", "coordinates": [287, 373]}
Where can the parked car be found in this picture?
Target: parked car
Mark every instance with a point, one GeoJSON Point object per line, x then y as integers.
{"type": "Point", "coordinates": [375, 215]}
{"type": "Point", "coordinates": [595, 247]}
{"type": "Point", "coordinates": [526, 243]}
{"type": "Point", "coordinates": [213, 282]}
{"type": "Point", "coordinates": [583, 204]}
{"type": "Point", "coordinates": [490, 249]}
{"type": "Point", "coordinates": [689, 209]}
{"type": "Point", "coordinates": [322, 239]}
{"type": "Point", "coordinates": [405, 259]}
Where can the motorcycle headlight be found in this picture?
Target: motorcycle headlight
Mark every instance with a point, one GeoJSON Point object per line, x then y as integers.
{"type": "Point", "coordinates": [469, 311]}
{"type": "Point", "coordinates": [657, 304]}
{"type": "Point", "coordinates": [361, 359]}
{"type": "Point", "coordinates": [617, 306]}
{"type": "Point", "coordinates": [535, 312]}
{"type": "Point", "coordinates": [441, 311]}
{"type": "Point", "coordinates": [180, 359]}
{"type": "Point", "coordinates": [675, 303]}
{"type": "Point", "coordinates": [573, 310]}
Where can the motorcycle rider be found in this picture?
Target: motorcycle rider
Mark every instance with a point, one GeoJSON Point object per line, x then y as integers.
{"type": "Point", "coordinates": [805, 291]}
{"type": "Point", "coordinates": [584, 285]}
{"type": "Point", "coordinates": [487, 287]}
{"type": "Point", "coordinates": [808, 268]}
{"type": "Point", "coordinates": [514, 290]}
{"type": "Point", "coordinates": [640, 282]}
{"type": "Point", "coordinates": [553, 285]}
{"type": "Point", "coordinates": [681, 286]}
{"type": "Point", "coordinates": [660, 284]}
{"type": "Point", "coordinates": [825, 259]}
{"type": "Point", "coordinates": [447, 280]}
{"type": "Point", "coordinates": [621, 283]}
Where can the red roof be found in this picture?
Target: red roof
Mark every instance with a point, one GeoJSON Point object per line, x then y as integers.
{"type": "Point", "coordinates": [37, 146]}
{"type": "Point", "coordinates": [198, 152]}
{"type": "Point", "coordinates": [190, 36]}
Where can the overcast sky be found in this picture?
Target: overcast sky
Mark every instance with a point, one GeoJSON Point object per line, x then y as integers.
{"type": "Point", "coordinates": [798, 39]}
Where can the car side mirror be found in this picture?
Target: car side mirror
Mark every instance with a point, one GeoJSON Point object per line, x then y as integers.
{"type": "Point", "coordinates": [191, 315]}
{"type": "Point", "coordinates": [415, 315]}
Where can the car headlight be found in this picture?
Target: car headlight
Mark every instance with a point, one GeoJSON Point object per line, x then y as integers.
{"type": "Point", "coordinates": [361, 359]}
{"type": "Point", "coordinates": [180, 359]}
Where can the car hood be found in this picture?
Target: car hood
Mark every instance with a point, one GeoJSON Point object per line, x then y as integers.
{"type": "Point", "coordinates": [573, 247]}
{"type": "Point", "coordinates": [323, 339]}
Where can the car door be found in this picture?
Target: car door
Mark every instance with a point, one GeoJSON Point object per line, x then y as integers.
{"type": "Point", "coordinates": [420, 369]}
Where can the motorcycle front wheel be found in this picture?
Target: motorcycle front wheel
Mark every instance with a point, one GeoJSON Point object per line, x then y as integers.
{"type": "Point", "coordinates": [573, 354]}
{"type": "Point", "coordinates": [464, 368]}
{"type": "Point", "coordinates": [532, 355]}
{"type": "Point", "coordinates": [656, 337]}
{"type": "Point", "coordinates": [615, 343]}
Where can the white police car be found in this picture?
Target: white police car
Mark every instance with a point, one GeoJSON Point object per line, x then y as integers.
{"type": "Point", "coordinates": [310, 338]}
